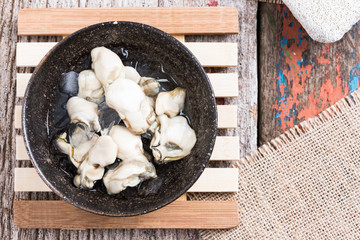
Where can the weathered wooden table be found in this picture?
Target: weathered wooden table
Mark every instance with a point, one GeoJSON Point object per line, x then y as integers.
{"type": "Point", "coordinates": [280, 69]}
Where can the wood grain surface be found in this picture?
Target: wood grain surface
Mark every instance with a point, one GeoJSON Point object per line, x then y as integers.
{"type": "Point", "coordinates": [179, 214]}
{"type": "Point", "coordinates": [246, 124]}
{"type": "Point", "coordinates": [178, 20]}
{"type": "Point", "coordinates": [299, 77]}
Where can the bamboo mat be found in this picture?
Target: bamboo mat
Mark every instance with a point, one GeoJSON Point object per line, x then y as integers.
{"type": "Point", "coordinates": [304, 184]}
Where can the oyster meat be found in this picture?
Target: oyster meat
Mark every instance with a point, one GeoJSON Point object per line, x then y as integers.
{"type": "Point", "coordinates": [80, 110]}
{"type": "Point", "coordinates": [129, 145]}
{"type": "Point", "coordinates": [128, 174]}
{"type": "Point", "coordinates": [173, 139]}
{"type": "Point", "coordinates": [130, 102]}
{"type": "Point", "coordinates": [131, 74]}
{"type": "Point", "coordinates": [90, 88]}
{"type": "Point", "coordinates": [107, 65]}
{"type": "Point", "coordinates": [150, 86]}
{"type": "Point", "coordinates": [76, 154]}
{"type": "Point", "coordinates": [91, 169]}
{"type": "Point", "coordinates": [171, 102]}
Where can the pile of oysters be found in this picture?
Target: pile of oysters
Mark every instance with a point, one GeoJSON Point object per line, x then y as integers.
{"type": "Point", "coordinates": [143, 109]}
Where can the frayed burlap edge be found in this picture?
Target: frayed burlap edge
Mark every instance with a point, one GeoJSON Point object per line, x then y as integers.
{"type": "Point", "coordinates": [278, 145]}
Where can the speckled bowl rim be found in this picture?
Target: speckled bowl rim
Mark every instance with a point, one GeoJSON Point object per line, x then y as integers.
{"type": "Point", "coordinates": [186, 51]}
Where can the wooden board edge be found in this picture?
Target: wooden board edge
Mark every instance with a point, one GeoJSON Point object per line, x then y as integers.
{"type": "Point", "coordinates": [179, 215]}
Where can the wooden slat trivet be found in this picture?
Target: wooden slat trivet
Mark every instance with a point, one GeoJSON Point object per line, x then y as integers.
{"type": "Point", "coordinates": [213, 180]}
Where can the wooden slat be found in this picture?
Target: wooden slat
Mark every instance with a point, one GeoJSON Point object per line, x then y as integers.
{"type": "Point", "coordinates": [22, 80]}
{"type": "Point", "coordinates": [217, 180]}
{"type": "Point", "coordinates": [226, 148]}
{"type": "Point", "coordinates": [21, 153]}
{"type": "Point", "coordinates": [17, 116]}
{"type": "Point", "coordinates": [181, 38]}
{"type": "Point", "coordinates": [173, 20]}
{"type": "Point", "coordinates": [224, 84]}
{"type": "Point", "coordinates": [179, 214]}
{"type": "Point", "coordinates": [214, 54]}
{"type": "Point", "coordinates": [227, 116]}
{"type": "Point", "coordinates": [211, 180]}
{"type": "Point", "coordinates": [28, 180]}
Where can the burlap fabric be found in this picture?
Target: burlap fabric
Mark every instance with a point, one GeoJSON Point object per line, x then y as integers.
{"type": "Point", "coordinates": [304, 184]}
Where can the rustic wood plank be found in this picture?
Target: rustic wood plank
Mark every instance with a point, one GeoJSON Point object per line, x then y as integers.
{"type": "Point", "coordinates": [173, 20]}
{"type": "Point", "coordinates": [29, 54]}
{"type": "Point", "coordinates": [227, 116]}
{"type": "Point", "coordinates": [225, 148]}
{"type": "Point", "coordinates": [211, 180]}
{"type": "Point", "coordinates": [299, 77]}
{"type": "Point", "coordinates": [224, 84]}
{"type": "Point", "coordinates": [179, 214]}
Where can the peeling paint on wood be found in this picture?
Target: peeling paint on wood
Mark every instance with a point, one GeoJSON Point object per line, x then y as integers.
{"type": "Point", "coordinates": [299, 77]}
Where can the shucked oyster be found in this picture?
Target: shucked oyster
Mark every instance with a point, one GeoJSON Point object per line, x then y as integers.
{"type": "Point", "coordinates": [150, 86]}
{"type": "Point", "coordinates": [107, 65]}
{"type": "Point", "coordinates": [170, 103]}
{"type": "Point", "coordinates": [134, 167]}
{"type": "Point", "coordinates": [90, 88]}
{"type": "Point", "coordinates": [129, 145]}
{"type": "Point", "coordinates": [80, 110]}
{"type": "Point", "coordinates": [128, 174]}
{"type": "Point", "coordinates": [130, 102]}
{"type": "Point", "coordinates": [131, 74]}
{"type": "Point", "coordinates": [91, 169]}
{"type": "Point", "coordinates": [173, 139]}
{"type": "Point", "coordinates": [76, 153]}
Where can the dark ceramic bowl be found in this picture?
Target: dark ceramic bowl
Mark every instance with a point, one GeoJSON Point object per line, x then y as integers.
{"type": "Point", "coordinates": [156, 53]}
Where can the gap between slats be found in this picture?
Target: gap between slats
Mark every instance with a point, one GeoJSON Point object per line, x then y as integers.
{"type": "Point", "coordinates": [214, 54]}
{"type": "Point", "coordinates": [179, 214]}
{"type": "Point", "coordinates": [227, 116]}
{"type": "Point", "coordinates": [224, 84]}
{"type": "Point", "coordinates": [225, 148]}
{"type": "Point", "coordinates": [211, 180]}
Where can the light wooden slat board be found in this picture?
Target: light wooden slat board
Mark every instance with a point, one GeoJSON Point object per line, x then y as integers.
{"type": "Point", "coordinates": [225, 148]}
{"type": "Point", "coordinates": [214, 54]}
{"type": "Point", "coordinates": [22, 80]}
{"type": "Point", "coordinates": [179, 214]}
{"type": "Point", "coordinates": [211, 180]}
{"type": "Point", "coordinates": [227, 116]}
{"type": "Point", "coordinates": [173, 20]}
{"type": "Point", "coordinates": [224, 84]}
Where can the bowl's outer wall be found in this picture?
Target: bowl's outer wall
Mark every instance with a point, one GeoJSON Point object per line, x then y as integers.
{"type": "Point", "coordinates": [177, 61]}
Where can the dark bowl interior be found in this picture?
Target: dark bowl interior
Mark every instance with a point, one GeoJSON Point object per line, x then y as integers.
{"type": "Point", "coordinates": [158, 53]}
